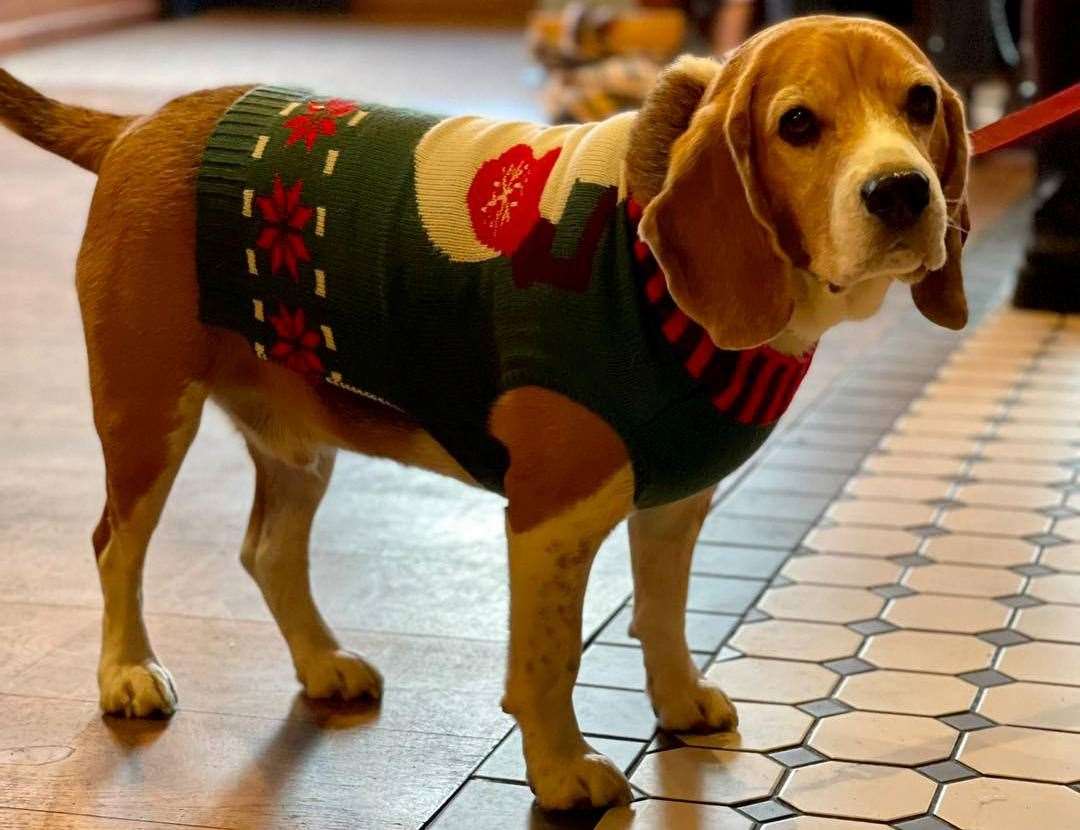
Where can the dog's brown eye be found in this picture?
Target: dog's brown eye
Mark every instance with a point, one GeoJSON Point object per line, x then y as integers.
{"type": "Point", "coordinates": [921, 105]}
{"type": "Point", "coordinates": [799, 126]}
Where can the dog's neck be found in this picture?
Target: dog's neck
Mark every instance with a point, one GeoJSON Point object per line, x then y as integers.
{"type": "Point", "coordinates": [817, 309]}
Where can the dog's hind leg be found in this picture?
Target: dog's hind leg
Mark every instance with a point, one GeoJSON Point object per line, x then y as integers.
{"type": "Point", "coordinates": [662, 543]}
{"type": "Point", "coordinates": [144, 439]}
{"type": "Point", "coordinates": [275, 553]}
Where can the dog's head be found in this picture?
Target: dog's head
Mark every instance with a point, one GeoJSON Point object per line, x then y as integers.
{"type": "Point", "coordinates": [823, 160]}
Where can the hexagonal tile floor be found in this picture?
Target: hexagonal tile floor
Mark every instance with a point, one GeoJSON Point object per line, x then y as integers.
{"type": "Point", "coordinates": [914, 664]}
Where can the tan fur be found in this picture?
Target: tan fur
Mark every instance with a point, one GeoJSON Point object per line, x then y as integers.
{"type": "Point", "coordinates": [736, 200]}
{"type": "Point", "coordinates": [706, 226]}
{"type": "Point", "coordinates": [739, 223]}
{"type": "Point", "coordinates": [80, 135]}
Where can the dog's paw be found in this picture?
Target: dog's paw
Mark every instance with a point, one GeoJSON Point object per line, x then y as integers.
{"type": "Point", "coordinates": [137, 690]}
{"type": "Point", "coordinates": [694, 705]}
{"type": "Point", "coordinates": [340, 674]}
{"type": "Point", "coordinates": [589, 780]}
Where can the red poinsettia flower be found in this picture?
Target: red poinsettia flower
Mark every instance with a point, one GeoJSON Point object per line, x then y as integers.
{"type": "Point", "coordinates": [283, 232]}
{"type": "Point", "coordinates": [320, 119]}
{"type": "Point", "coordinates": [504, 197]}
{"type": "Point", "coordinates": [296, 344]}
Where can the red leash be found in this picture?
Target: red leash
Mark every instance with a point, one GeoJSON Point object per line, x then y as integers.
{"type": "Point", "coordinates": [1027, 121]}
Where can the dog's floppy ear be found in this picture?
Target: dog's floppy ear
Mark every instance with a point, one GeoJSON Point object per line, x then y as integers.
{"type": "Point", "coordinates": [940, 295]}
{"type": "Point", "coordinates": [706, 220]}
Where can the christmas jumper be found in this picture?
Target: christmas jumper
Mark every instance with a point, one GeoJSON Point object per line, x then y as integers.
{"type": "Point", "coordinates": [435, 263]}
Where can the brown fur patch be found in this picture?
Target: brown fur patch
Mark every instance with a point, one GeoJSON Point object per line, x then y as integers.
{"type": "Point", "coordinates": [560, 453]}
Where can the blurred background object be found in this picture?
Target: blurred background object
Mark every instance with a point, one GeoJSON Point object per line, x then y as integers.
{"type": "Point", "coordinates": [602, 57]}
{"type": "Point", "coordinates": [1050, 278]}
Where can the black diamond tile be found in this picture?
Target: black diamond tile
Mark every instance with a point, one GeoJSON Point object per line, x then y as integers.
{"type": "Point", "coordinates": [912, 560]}
{"type": "Point", "coordinates": [926, 531]}
{"type": "Point", "coordinates": [849, 665]}
{"type": "Point", "coordinates": [704, 631]}
{"type": "Point", "coordinates": [812, 458]}
{"type": "Point", "coordinates": [869, 627]}
{"type": "Point", "coordinates": [722, 595]}
{"type": "Point", "coordinates": [800, 756]}
{"type": "Point", "coordinates": [619, 667]}
{"type": "Point", "coordinates": [813, 482]}
{"type": "Point", "coordinates": [947, 771]}
{"type": "Point", "coordinates": [745, 502]}
{"type": "Point", "coordinates": [986, 678]}
{"type": "Point", "coordinates": [725, 529]}
{"type": "Point", "coordinates": [767, 810]}
{"type": "Point", "coordinates": [734, 560]}
{"type": "Point", "coordinates": [1046, 540]}
{"type": "Point", "coordinates": [824, 707]}
{"type": "Point", "coordinates": [615, 713]}
{"type": "Point", "coordinates": [1003, 637]}
{"type": "Point", "coordinates": [967, 721]}
{"type": "Point", "coordinates": [924, 823]}
{"type": "Point", "coordinates": [870, 422]}
{"type": "Point", "coordinates": [755, 615]}
{"type": "Point", "coordinates": [1032, 570]}
{"type": "Point", "coordinates": [1019, 601]}
{"type": "Point", "coordinates": [892, 591]}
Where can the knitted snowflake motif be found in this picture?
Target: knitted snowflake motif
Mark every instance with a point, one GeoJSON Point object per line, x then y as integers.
{"type": "Point", "coordinates": [504, 197]}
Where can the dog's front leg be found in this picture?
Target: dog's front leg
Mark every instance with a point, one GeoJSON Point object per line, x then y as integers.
{"type": "Point", "coordinates": [568, 486]}
{"type": "Point", "coordinates": [662, 543]}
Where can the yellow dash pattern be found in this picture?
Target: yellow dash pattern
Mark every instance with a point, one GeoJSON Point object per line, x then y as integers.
{"type": "Point", "coordinates": [331, 160]}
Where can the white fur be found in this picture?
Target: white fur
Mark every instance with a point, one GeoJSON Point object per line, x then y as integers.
{"type": "Point", "coordinates": [662, 545]}
{"type": "Point", "coordinates": [131, 681]}
{"type": "Point", "coordinates": [275, 553]}
{"type": "Point", "coordinates": [549, 568]}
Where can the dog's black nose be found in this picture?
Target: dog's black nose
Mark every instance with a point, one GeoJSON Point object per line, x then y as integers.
{"type": "Point", "coordinates": [897, 199]}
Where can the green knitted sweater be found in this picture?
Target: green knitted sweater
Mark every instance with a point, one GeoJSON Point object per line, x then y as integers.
{"type": "Point", "coordinates": [435, 263]}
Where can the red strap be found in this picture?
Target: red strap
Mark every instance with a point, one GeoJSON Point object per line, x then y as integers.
{"type": "Point", "coordinates": [1027, 121]}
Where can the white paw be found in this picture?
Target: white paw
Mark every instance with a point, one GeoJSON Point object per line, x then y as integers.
{"type": "Point", "coordinates": [589, 780]}
{"type": "Point", "coordinates": [137, 690]}
{"type": "Point", "coordinates": [694, 705]}
{"type": "Point", "coordinates": [339, 674]}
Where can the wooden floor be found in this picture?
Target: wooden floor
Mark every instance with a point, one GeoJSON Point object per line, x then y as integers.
{"type": "Point", "coordinates": [409, 567]}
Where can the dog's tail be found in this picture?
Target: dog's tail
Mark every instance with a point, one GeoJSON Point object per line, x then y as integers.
{"type": "Point", "coordinates": [82, 136]}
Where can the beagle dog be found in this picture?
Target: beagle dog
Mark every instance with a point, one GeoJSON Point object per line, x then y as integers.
{"type": "Point", "coordinates": [746, 208]}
